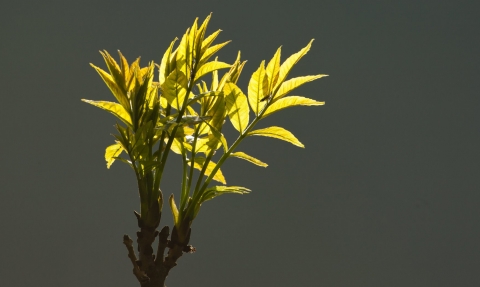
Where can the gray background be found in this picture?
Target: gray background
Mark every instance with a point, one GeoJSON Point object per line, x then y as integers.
{"type": "Point", "coordinates": [386, 192]}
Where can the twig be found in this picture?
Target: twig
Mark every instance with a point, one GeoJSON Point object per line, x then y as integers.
{"type": "Point", "coordinates": [162, 245]}
{"type": "Point", "coordinates": [141, 276]}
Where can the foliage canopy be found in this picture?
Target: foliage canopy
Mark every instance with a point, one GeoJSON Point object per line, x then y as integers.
{"type": "Point", "coordinates": [179, 112]}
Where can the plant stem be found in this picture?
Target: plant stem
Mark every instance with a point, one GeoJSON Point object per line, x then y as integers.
{"type": "Point", "coordinates": [197, 195]}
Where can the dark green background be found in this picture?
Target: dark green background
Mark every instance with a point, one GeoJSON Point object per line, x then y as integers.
{"type": "Point", "coordinates": [386, 192]}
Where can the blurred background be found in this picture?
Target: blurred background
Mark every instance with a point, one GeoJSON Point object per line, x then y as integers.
{"type": "Point", "coordinates": [386, 192]}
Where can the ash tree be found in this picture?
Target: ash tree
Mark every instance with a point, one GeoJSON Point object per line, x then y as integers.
{"type": "Point", "coordinates": [177, 111]}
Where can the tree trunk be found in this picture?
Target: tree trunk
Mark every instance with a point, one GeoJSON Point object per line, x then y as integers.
{"type": "Point", "coordinates": [152, 270]}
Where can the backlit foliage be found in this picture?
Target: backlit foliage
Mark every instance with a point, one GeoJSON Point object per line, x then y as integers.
{"type": "Point", "coordinates": [178, 111]}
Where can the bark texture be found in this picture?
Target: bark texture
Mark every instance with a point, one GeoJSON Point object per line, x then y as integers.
{"type": "Point", "coordinates": [149, 269]}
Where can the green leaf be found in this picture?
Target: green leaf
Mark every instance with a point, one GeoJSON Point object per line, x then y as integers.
{"type": "Point", "coordinates": [277, 132]}
{"type": "Point", "coordinates": [237, 106]}
{"type": "Point", "coordinates": [246, 157]}
{"type": "Point", "coordinates": [112, 152]}
{"type": "Point", "coordinates": [287, 66]}
{"type": "Point", "coordinates": [215, 191]}
{"type": "Point", "coordinates": [294, 83]}
{"type": "Point", "coordinates": [291, 101]}
{"type": "Point", "coordinates": [257, 89]}
{"type": "Point", "coordinates": [200, 161]}
{"type": "Point", "coordinates": [114, 108]}
{"type": "Point", "coordinates": [210, 67]}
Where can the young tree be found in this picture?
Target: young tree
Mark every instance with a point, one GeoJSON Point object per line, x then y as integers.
{"type": "Point", "coordinates": [180, 113]}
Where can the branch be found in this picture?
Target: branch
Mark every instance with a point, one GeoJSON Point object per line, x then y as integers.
{"type": "Point", "coordinates": [141, 276]}
{"type": "Point", "coordinates": [162, 245]}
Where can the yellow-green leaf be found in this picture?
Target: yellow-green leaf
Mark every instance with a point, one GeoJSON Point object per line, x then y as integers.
{"type": "Point", "coordinates": [217, 137]}
{"type": "Point", "coordinates": [125, 68]}
{"type": "Point", "coordinates": [182, 54]}
{"type": "Point", "coordinates": [114, 108]}
{"type": "Point", "coordinates": [200, 161]}
{"type": "Point", "coordinates": [291, 101]}
{"type": "Point", "coordinates": [164, 69]}
{"type": "Point", "coordinates": [249, 158]}
{"type": "Point", "coordinates": [210, 67]}
{"type": "Point", "coordinates": [209, 40]}
{"type": "Point", "coordinates": [200, 37]}
{"type": "Point", "coordinates": [216, 111]}
{"type": "Point", "coordinates": [215, 191]}
{"type": "Point", "coordinates": [237, 106]}
{"type": "Point", "coordinates": [196, 98]}
{"type": "Point", "coordinates": [211, 51]}
{"type": "Point", "coordinates": [294, 83]}
{"type": "Point", "coordinates": [192, 39]}
{"type": "Point", "coordinates": [234, 73]}
{"type": "Point", "coordinates": [176, 146]}
{"type": "Point", "coordinates": [112, 152]}
{"type": "Point", "coordinates": [214, 84]}
{"type": "Point", "coordinates": [287, 66]}
{"type": "Point", "coordinates": [212, 141]}
{"type": "Point", "coordinates": [272, 70]}
{"type": "Point", "coordinates": [277, 132]}
{"type": "Point", "coordinates": [173, 207]}
{"type": "Point", "coordinates": [175, 89]}
{"type": "Point", "coordinates": [201, 145]}
{"type": "Point", "coordinates": [257, 89]}
{"type": "Point", "coordinates": [114, 69]}
{"type": "Point", "coordinates": [114, 88]}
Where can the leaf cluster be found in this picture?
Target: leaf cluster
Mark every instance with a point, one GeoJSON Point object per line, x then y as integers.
{"type": "Point", "coordinates": [181, 113]}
